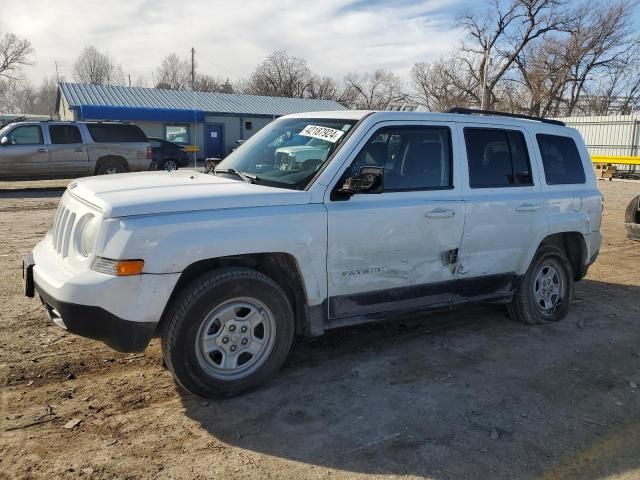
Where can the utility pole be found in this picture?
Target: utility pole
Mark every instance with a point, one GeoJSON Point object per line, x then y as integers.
{"type": "Point", "coordinates": [193, 68]}
{"type": "Point", "coordinates": [129, 79]}
{"type": "Point", "coordinates": [487, 60]}
{"type": "Point", "coordinates": [53, 114]}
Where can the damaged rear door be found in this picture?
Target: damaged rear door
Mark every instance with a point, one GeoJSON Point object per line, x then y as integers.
{"type": "Point", "coordinates": [397, 249]}
{"type": "Point", "coordinates": [505, 212]}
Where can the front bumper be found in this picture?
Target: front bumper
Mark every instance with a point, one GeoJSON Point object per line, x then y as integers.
{"type": "Point", "coordinates": [122, 312]}
{"type": "Point", "coordinates": [98, 324]}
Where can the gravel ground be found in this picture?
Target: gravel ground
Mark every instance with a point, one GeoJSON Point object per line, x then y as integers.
{"type": "Point", "coordinates": [464, 394]}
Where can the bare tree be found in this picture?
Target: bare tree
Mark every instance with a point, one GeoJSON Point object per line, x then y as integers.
{"type": "Point", "coordinates": [501, 33]}
{"type": "Point", "coordinates": [17, 96]}
{"type": "Point", "coordinates": [442, 85]}
{"type": "Point", "coordinates": [616, 90]}
{"type": "Point", "coordinates": [281, 75]}
{"type": "Point", "coordinates": [325, 88]}
{"type": "Point", "coordinates": [227, 87]}
{"type": "Point", "coordinates": [207, 83]}
{"type": "Point", "coordinates": [601, 37]}
{"type": "Point", "coordinates": [625, 83]}
{"type": "Point", "coordinates": [589, 68]}
{"type": "Point", "coordinates": [46, 97]}
{"type": "Point", "coordinates": [97, 68]}
{"type": "Point", "coordinates": [174, 73]}
{"type": "Point", "coordinates": [15, 53]}
{"type": "Point", "coordinates": [22, 97]}
{"type": "Point", "coordinates": [372, 91]}
{"type": "Point", "coordinates": [543, 75]}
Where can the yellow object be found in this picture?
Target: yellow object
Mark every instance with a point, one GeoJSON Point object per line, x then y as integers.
{"type": "Point", "coordinates": [191, 148]}
{"type": "Point", "coordinates": [129, 267]}
{"type": "Point", "coordinates": [621, 160]}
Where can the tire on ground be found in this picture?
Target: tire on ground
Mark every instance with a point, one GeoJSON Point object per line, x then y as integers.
{"type": "Point", "coordinates": [111, 165]}
{"type": "Point", "coordinates": [632, 212]}
{"type": "Point", "coordinates": [192, 307]}
{"type": "Point", "coordinates": [523, 307]}
{"type": "Point", "coordinates": [163, 164]}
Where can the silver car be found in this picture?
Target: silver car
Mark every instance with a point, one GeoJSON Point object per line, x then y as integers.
{"type": "Point", "coordinates": [72, 149]}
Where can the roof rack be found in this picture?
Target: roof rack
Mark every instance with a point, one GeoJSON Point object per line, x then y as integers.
{"type": "Point", "coordinates": [472, 111]}
{"type": "Point", "coordinates": [106, 120]}
{"type": "Point", "coordinates": [13, 120]}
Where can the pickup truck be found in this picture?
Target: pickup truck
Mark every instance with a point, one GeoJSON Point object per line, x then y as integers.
{"type": "Point", "coordinates": [72, 149]}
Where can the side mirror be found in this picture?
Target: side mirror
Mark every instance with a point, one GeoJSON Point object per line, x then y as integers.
{"type": "Point", "coordinates": [4, 141]}
{"type": "Point", "coordinates": [367, 180]}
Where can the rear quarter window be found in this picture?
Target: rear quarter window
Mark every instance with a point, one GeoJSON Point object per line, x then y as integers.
{"type": "Point", "coordinates": [115, 133]}
{"type": "Point", "coordinates": [561, 160]}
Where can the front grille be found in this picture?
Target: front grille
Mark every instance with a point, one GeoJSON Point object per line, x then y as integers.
{"type": "Point", "coordinates": [62, 228]}
{"type": "Point", "coordinates": [282, 159]}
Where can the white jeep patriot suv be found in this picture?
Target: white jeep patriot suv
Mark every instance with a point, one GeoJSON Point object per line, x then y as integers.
{"type": "Point", "coordinates": [404, 212]}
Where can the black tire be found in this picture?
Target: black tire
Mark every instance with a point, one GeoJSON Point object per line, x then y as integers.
{"type": "Point", "coordinates": [524, 306]}
{"type": "Point", "coordinates": [632, 212]}
{"type": "Point", "coordinates": [173, 161]}
{"type": "Point", "coordinates": [111, 166]}
{"type": "Point", "coordinates": [194, 306]}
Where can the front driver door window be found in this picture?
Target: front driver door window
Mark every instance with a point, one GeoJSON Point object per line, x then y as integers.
{"type": "Point", "coordinates": [25, 154]}
{"type": "Point", "coordinates": [26, 135]}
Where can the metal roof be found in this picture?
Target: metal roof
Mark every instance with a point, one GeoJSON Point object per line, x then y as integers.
{"type": "Point", "coordinates": [81, 94]}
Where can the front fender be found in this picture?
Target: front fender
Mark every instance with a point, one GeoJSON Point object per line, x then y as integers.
{"type": "Point", "coordinates": [170, 243]}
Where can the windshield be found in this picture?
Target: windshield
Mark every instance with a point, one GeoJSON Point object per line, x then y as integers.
{"type": "Point", "coordinates": [279, 154]}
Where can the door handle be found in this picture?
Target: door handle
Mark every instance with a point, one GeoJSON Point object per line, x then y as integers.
{"type": "Point", "coordinates": [528, 207]}
{"type": "Point", "coordinates": [440, 213]}
{"type": "Point", "coordinates": [42, 150]}
{"type": "Point", "coordinates": [79, 149]}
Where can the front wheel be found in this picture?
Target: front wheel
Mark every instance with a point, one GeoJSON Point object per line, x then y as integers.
{"type": "Point", "coordinates": [227, 332]}
{"type": "Point", "coordinates": [546, 291]}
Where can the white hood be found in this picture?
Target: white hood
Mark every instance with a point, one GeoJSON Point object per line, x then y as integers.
{"type": "Point", "coordinates": [177, 191]}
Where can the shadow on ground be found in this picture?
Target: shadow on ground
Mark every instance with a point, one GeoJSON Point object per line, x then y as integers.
{"type": "Point", "coordinates": [35, 193]}
{"type": "Point", "coordinates": [462, 394]}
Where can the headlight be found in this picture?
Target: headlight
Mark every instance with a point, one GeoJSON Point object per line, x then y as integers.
{"type": "Point", "coordinates": [88, 232]}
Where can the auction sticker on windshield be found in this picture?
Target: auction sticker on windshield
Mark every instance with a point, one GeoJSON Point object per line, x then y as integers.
{"type": "Point", "coordinates": [323, 133]}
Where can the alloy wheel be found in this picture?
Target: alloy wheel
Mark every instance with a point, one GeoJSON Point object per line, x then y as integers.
{"type": "Point", "coordinates": [235, 338]}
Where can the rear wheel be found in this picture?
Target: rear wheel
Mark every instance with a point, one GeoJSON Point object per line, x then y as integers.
{"type": "Point", "coordinates": [169, 164]}
{"type": "Point", "coordinates": [229, 331]}
{"type": "Point", "coordinates": [112, 166]}
{"type": "Point", "coordinates": [546, 291]}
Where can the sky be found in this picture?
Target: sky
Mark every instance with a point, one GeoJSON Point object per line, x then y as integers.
{"type": "Point", "coordinates": [336, 37]}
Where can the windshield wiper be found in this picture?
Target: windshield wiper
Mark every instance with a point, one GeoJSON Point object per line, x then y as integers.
{"type": "Point", "coordinates": [244, 176]}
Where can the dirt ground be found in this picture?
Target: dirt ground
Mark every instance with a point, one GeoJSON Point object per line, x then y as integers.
{"type": "Point", "coordinates": [466, 394]}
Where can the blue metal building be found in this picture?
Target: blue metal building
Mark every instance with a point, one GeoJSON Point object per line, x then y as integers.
{"type": "Point", "coordinates": [211, 121]}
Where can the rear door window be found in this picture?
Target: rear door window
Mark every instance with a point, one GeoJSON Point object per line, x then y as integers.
{"type": "Point", "coordinates": [561, 160]}
{"type": "Point", "coordinates": [63, 134]}
{"type": "Point", "coordinates": [497, 158]}
{"type": "Point", "coordinates": [115, 133]}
